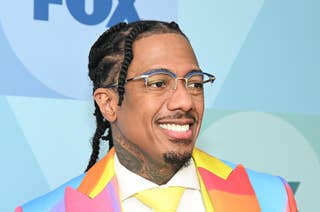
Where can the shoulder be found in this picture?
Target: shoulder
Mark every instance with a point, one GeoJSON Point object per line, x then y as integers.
{"type": "Point", "coordinates": [272, 189]}
{"type": "Point", "coordinates": [273, 192]}
{"type": "Point", "coordinates": [50, 200]}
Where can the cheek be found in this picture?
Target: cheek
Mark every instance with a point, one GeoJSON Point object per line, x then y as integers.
{"type": "Point", "coordinates": [147, 112]}
{"type": "Point", "coordinates": [136, 115]}
{"type": "Point", "coordinates": [199, 108]}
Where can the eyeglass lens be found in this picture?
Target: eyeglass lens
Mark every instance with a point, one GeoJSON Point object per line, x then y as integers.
{"type": "Point", "coordinates": [162, 82]}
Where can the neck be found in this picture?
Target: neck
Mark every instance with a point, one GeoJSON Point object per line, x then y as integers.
{"type": "Point", "coordinates": [137, 161]}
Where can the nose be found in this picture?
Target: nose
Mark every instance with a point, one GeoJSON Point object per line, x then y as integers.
{"type": "Point", "coordinates": [180, 98]}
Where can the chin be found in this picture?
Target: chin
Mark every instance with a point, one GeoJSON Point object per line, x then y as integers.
{"type": "Point", "coordinates": [177, 159]}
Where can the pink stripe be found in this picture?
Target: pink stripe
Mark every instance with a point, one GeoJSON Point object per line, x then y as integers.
{"type": "Point", "coordinates": [18, 209]}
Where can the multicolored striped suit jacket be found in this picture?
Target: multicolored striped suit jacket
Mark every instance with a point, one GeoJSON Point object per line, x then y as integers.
{"type": "Point", "coordinates": [224, 188]}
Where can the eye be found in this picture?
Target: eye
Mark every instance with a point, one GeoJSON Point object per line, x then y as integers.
{"type": "Point", "coordinates": [195, 85]}
{"type": "Point", "coordinates": [157, 84]}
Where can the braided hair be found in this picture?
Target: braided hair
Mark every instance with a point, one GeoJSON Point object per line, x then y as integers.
{"type": "Point", "coordinates": [109, 60]}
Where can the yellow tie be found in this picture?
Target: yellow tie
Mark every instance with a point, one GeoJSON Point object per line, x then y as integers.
{"type": "Point", "coordinates": [161, 199]}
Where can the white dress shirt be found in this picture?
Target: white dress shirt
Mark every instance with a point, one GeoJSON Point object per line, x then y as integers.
{"type": "Point", "coordinates": [131, 183]}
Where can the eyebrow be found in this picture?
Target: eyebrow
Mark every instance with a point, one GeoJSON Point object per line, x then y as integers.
{"type": "Point", "coordinates": [199, 70]}
{"type": "Point", "coordinates": [166, 69]}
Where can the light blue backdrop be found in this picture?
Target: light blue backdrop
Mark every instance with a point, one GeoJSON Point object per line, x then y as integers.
{"type": "Point", "coordinates": [263, 110]}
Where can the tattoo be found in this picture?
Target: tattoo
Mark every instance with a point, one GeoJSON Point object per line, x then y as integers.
{"type": "Point", "coordinates": [137, 161]}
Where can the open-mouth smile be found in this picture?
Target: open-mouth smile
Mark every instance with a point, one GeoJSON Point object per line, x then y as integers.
{"type": "Point", "coordinates": [175, 127]}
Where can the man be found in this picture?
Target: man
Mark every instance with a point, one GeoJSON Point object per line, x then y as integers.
{"type": "Point", "coordinates": [149, 99]}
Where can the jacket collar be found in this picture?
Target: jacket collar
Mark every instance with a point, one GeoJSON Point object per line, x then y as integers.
{"type": "Point", "coordinates": [98, 190]}
{"type": "Point", "coordinates": [224, 188]}
{"type": "Point", "coordinates": [220, 185]}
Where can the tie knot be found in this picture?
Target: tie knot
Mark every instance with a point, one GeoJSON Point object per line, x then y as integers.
{"type": "Point", "coordinates": [162, 199]}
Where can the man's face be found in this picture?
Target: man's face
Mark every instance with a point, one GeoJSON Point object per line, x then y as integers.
{"type": "Point", "coordinates": [154, 124]}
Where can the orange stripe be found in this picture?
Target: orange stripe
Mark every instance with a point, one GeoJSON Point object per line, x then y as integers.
{"type": "Point", "coordinates": [94, 174]}
{"type": "Point", "coordinates": [227, 202]}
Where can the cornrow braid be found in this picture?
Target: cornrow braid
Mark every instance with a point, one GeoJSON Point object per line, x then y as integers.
{"type": "Point", "coordinates": [102, 125]}
{"type": "Point", "coordinates": [97, 52]}
{"type": "Point", "coordinates": [174, 25]}
{"type": "Point", "coordinates": [128, 56]}
{"type": "Point", "coordinates": [99, 48]}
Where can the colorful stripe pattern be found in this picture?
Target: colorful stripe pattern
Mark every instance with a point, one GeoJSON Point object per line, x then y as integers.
{"type": "Point", "coordinates": [229, 190]}
{"type": "Point", "coordinates": [235, 194]}
{"type": "Point", "coordinates": [107, 200]}
{"type": "Point", "coordinates": [98, 188]}
{"type": "Point", "coordinates": [223, 189]}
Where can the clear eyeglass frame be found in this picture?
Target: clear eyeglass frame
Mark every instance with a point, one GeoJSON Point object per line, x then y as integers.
{"type": "Point", "coordinates": [162, 80]}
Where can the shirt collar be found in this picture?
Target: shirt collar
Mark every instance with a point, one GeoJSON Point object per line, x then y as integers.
{"type": "Point", "coordinates": [131, 183]}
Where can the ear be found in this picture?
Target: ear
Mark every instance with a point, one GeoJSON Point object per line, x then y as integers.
{"type": "Point", "coordinates": [107, 102]}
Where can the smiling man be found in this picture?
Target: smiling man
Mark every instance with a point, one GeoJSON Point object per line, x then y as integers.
{"type": "Point", "coordinates": [167, 109]}
{"type": "Point", "coordinates": [149, 99]}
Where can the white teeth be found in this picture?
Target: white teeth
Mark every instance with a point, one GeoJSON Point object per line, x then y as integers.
{"type": "Point", "coordinates": [175, 127]}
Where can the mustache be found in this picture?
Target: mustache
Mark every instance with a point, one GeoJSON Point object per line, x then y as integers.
{"type": "Point", "coordinates": [178, 115]}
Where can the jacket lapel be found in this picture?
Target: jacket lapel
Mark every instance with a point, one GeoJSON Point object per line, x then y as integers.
{"type": "Point", "coordinates": [224, 189]}
{"type": "Point", "coordinates": [98, 191]}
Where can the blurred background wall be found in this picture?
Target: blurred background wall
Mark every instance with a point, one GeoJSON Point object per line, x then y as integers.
{"type": "Point", "coordinates": [263, 110]}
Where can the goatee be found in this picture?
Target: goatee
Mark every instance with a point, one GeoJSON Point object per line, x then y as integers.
{"type": "Point", "coordinates": [177, 160]}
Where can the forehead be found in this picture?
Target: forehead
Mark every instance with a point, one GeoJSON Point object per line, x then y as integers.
{"type": "Point", "coordinates": [170, 50]}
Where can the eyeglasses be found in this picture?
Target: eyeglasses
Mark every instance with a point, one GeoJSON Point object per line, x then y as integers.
{"type": "Point", "coordinates": [162, 80]}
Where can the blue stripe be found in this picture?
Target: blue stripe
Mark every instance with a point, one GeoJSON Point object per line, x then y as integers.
{"type": "Point", "coordinates": [50, 200]}
{"type": "Point", "coordinates": [269, 189]}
